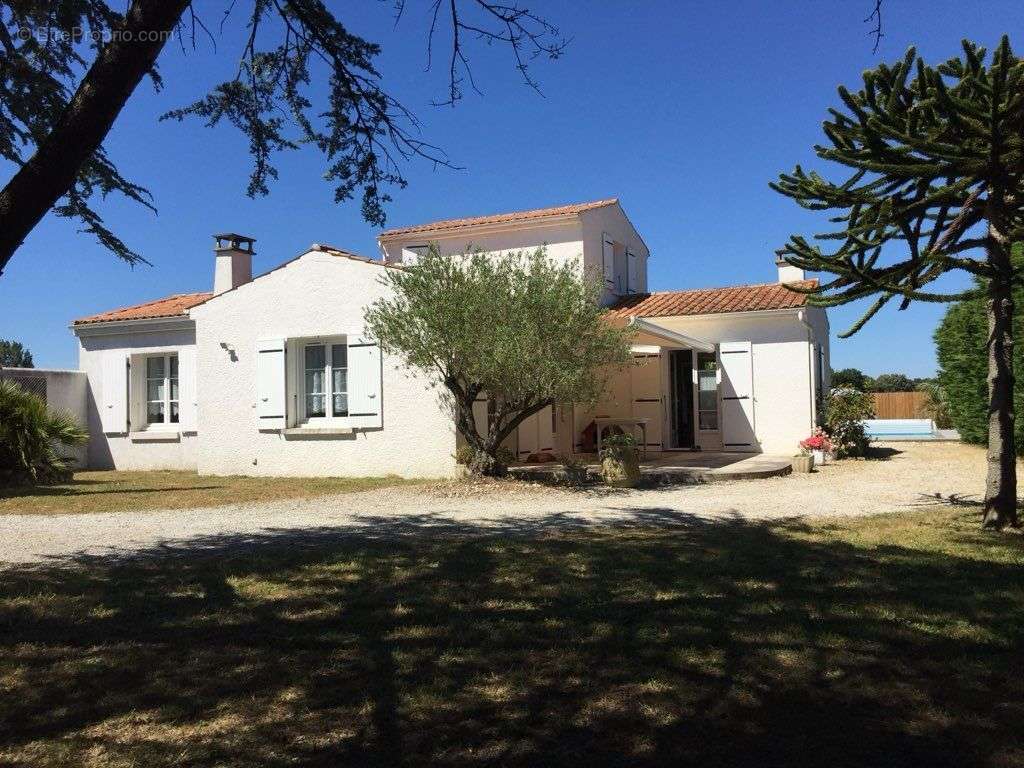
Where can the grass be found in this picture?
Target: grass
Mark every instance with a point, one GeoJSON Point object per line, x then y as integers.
{"type": "Point", "coordinates": [134, 491]}
{"type": "Point", "coordinates": [886, 641]}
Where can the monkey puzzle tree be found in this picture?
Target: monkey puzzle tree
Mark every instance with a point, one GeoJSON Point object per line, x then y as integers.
{"type": "Point", "coordinates": [518, 329]}
{"type": "Point", "coordinates": [936, 155]}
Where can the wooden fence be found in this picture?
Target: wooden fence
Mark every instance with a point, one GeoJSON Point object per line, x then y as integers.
{"type": "Point", "coordinates": [899, 405]}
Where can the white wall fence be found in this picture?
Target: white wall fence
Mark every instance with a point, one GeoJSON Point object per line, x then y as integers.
{"type": "Point", "coordinates": [60, 389]}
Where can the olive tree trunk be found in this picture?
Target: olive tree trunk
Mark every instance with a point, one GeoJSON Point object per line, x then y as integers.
{"type": "Point", "coordinates": [504, 423]}
{"type": "Point", "coordinates": [1001, 481]}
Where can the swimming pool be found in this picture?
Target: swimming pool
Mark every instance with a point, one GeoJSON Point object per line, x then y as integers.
{"type": "Point", "coordinates": [899, 428]}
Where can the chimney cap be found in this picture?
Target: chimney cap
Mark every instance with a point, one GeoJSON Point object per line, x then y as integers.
{"type": "Point", "coordinates": [229, 241]}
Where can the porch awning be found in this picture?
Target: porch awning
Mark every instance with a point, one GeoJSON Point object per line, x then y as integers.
{"type": "Point", "coordinates": [651, 334]}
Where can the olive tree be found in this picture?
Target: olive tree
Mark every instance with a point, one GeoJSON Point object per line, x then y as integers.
{"type": "Point", "coordinates": [517, 328]}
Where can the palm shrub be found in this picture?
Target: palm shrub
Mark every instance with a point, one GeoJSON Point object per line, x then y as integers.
{"type": "Point", "coordinates": [936, 404]}
{"type": "Point", "coordinates": [845, 411]}
{"type": "Point", "coordinates": [31, 436]}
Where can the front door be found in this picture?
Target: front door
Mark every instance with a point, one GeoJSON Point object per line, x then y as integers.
{"type": "Point", "coordinates": [681, 370]}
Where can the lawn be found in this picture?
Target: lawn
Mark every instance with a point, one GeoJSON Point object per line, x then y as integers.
{"type": "Point", "coordinates": [886, 641]}
{"type": "Point", "coordinates": [134, 491]}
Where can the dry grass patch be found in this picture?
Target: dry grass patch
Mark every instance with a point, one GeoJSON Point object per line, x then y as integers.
{"type": "Point", "coordinates": [134, 491]}
{"type": "Point", "coordinates": [888, 641]}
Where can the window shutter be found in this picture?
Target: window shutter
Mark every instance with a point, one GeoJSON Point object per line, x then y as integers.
{"type": "Point", "coordinates": [271, 403]}
{"type": "Point", "coordinates": [738, 411]}
{"type": "Point", "coordinates": [114, 409]}
{"type": "Point", "coordinates": [365, 409]}
{"type": "Point", "coordinates": [187, 401]}
{"type": "Point", "coordinates": [609, 262]}
{"type": "Point", "coordinates": [633, 279]}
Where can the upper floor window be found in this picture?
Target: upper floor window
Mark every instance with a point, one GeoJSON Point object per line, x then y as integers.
{"type": "Point", "coordinates": [162, 405]}
{"type": "Point", "coordinates": [325, 381]}
{"type": "Point", "coordinates": [413, 253]}
{"type": "Point", "coordinates": [621, 267]}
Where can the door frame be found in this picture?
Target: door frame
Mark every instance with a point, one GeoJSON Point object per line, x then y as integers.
{"type": "Point", "coordinates": [687, 398]}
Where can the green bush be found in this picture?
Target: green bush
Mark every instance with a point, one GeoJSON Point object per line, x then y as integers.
{"type": "Point", "coordinates": [30, 436]}
{"type": "Point", "coordinates": [961, 347]}
{"type": "Point", "coordinates": [845, 411]}
{"type": "Point", "coordinates": [892, 382]}
{"type": "Point", "coordinates": [850, 377]}
{"type": "Point", "coordinates": [466, 456]}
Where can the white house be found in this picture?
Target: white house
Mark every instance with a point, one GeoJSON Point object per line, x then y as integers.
{"type": "Point", "coordinates": [275, 375]}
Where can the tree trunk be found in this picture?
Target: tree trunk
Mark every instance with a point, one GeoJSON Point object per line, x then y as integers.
{"type": "Point", "coordinates": [1001, 482]}
{"type": "Point", "coordinates": [120, 66]}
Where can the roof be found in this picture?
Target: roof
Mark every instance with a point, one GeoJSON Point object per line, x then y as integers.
{"type": "Point", "coordinates": [171, 306]}
{"type": "Point", "coordinates": [711, 301]}
{"type": "Point", "coordinates": [500, 218]}
{"type": "Point", "coordinates": [180, 303]}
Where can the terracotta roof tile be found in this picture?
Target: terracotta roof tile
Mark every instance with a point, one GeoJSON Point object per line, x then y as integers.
{"type": "Point", "coordinates": [711, 301]}
{"type": "Point", "coordinates": [498, 218]}
{"type": "Point", "coordinates": [171, 306]}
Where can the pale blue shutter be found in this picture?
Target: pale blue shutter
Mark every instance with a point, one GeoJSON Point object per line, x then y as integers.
{"type": "Point", "coordinates": [271, 399]}
{"type": "Point", "coordinates": [365, 409]}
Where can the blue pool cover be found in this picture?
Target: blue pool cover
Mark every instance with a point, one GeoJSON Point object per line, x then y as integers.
{"type": "Point", "coordinates": [899, 427]}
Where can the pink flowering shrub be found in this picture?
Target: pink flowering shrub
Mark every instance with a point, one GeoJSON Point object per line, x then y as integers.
{"type": "Point", "coordinates": [818, 441]}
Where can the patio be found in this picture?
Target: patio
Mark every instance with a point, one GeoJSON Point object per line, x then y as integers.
{"type": "Point", "coordinates": [674, 468]}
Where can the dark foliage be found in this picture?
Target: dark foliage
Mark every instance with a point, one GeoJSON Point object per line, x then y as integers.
{"type": "Point", "coordinates": [850, 377]}
{"type": "Point", "coordinates": [14, 355]}
{"type": "Point", "coordinates": [960, 342]}
{"type": "Point", "coordinates": [58, 61]}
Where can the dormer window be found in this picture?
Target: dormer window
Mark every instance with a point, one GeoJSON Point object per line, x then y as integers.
{"type": "Point", "coordinates": [413, 253]}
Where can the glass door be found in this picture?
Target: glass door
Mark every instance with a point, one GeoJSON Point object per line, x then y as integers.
{"type": "Point", "coordinates": [681, 369]}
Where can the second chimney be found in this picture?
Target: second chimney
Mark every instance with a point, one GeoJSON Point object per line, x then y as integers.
{"type": "Point", "coordinates": [787, 272]}
{"type": "Point", "coordinates": [233, 265]}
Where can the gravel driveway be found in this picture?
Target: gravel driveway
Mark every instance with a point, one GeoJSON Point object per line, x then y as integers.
{"type": "Point", "coordinates": [911, 476]}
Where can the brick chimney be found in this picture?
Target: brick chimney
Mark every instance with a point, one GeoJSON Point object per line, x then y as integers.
{"type": "Point", "coordinates": [787, 272]}
{"type": "Point", "coordinates": [233, 266]}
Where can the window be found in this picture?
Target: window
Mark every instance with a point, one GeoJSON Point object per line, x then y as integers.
{"type": "Point", "coordinates": [325, 381]}
{"type": "Point", "coordinates": [415, 253]}
{"type": "Point", "coordinates": [707, 391]}
{"type": "Point", "coordinates": [162, 405]}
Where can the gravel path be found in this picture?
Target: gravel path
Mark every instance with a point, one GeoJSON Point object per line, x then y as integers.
{"type": "Point", "coordinates": [910, 477]}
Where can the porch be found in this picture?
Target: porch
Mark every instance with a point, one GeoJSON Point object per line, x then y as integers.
{"type": "Point", "coordinates": [672, 468]}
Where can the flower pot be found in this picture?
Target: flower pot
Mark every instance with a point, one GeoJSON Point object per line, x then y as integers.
{"type": "Point", "coordinates": [621, 467]}
{"type": "Point", "coordinates": [819, 457]}
{"type": "Point", "coordinates": [803, 463]}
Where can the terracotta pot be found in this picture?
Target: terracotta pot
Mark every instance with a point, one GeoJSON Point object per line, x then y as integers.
{"type": "Point", "coordinates": [621, 468]}
{"type": "Point", "coordinates": [803, 463]}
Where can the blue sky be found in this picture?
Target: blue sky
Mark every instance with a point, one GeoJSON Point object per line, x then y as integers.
{"type": "Point", "coordinates": [684, 110]}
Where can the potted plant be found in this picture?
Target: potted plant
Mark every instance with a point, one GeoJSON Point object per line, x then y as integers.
{"type": "Point", "coordinates": [620, 462]}
{"type": "Point", "coordinates": [803, 462]}
{"type": "Point", "coordinates": [818, 445]}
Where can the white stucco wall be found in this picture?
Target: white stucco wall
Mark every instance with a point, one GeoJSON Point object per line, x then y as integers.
{"type": "Point", "coordinates": [562, 240]}
{"type": "Point", "coordinates": [783, 387]}
{"type": "Point", "coordinates": [120, 451]}
{"type": "Point", "coordinates": [318, 294]}
{"type": "Point", "coordinates": [577, 238]}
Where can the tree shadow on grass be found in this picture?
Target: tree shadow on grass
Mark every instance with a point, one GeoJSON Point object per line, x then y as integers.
{"type": "Point", "coordinates": [663, 641]}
